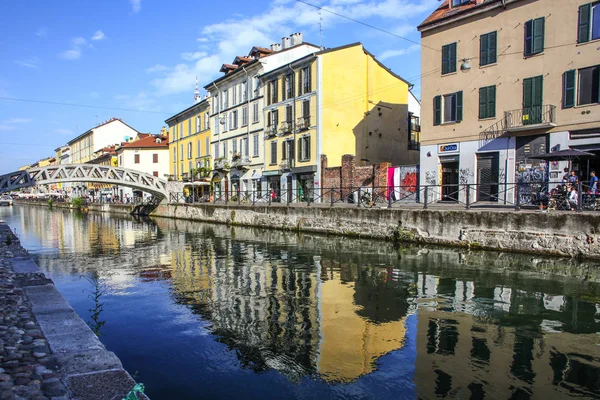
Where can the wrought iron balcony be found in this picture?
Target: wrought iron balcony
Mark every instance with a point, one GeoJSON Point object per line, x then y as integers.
{"type": "Point", "coordinates": [221, 165]}
{"type": "Point", "coordinates": [303, 123]}
{"type": "Point", "coordinates": [536, 117]}
{"type": "Point", "coordinates": [270, 131]}
{"type": "Point", "coordinates": [284, 127]}
{"type": "Point", "coordinates": [241, 163]}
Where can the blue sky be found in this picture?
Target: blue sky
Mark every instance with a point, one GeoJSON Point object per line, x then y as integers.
{"type": "Point", "coordinates": [144, 55]}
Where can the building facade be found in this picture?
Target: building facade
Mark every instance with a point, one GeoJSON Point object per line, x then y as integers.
{"type": "Point", "coordinates": [107, 133]}
{"type": "Point", "coordinates": [505, 81]}
{"type": "Point", "coordinates": [309, 113]}
{"type": "Point", "coordinates": [237, 112]}
{"type": "Point", "coordinates": [189, 142]}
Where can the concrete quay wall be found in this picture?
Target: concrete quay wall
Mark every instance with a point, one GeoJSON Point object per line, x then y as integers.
{"type": "Point", "coordinates": [560, 234]}
{"type": "Point", "coordinates": [69, 361]}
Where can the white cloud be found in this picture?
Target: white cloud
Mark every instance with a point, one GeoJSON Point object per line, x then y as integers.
{"type": "Point", "coordinates": [136, 5]}
{"type": "Point", "coordinates": [191, 56]}
{"type": "Point", "coordinates": [142, 101]}
{"type": "Point", "coordinates": [75, 52]}
{"type": "Point", "coordinates": [63, 131]}
{"type": "Point", "coordinates": [41, 32]}
{"type": "Point", "coordinates": [157, 68]}
{"type": "Point", "coordinates": [31, 62]}
{"type": "Point", "coordinates": [13, 123]}
{"type": "Point", "coordinates": [396, 53]}
{"type": "Point", "coordinates": [202, 39]}
{"type": "Point", "coordinates": [99, 35]}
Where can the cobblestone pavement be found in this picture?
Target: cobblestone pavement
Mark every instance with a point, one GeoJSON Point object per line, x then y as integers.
{"type": "Point", "coordinates": [27, 367]}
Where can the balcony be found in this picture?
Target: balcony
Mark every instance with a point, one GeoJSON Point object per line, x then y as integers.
{"type": "Point", "coordinates": [221, 164]}
{"type": "Point", "coordinates": [241, 163]}
{"type": "Point", "coordinates": [284, 128]}
{"type": "Point", "coordinates": [284, 164]}
{"type": "Point", "coordinates": [270, 131]}
{"type": "Point", "coordinates": [303, 123]}
{"type": "Point", "coordinates": [537, 117]}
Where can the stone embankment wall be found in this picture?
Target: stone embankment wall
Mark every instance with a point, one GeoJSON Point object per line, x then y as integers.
{"type": "Point", "coordinates": [46, 349]}
{"type": "Point", "coordinates": [560, 233]}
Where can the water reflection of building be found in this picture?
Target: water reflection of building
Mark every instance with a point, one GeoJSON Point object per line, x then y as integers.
{"type": "Point", "coordinates": [479, 340]}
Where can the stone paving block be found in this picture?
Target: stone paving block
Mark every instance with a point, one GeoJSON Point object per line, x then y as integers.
{"type": "Point", "coordinates": [62, 322]}
{"type": "Point", "coordinates": [87, 361]}
{"type": "Point", "coordinates": [74, 342]}
{"type": "Point", "coordinates": [46, 299]}
{"type": "Point", "coordinates": [107, 385]}
{"type": "Point", "coordinates": [24, 266]}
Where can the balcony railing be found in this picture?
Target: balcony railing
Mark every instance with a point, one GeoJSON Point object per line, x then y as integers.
{"type": "Point", "coordinates": [221, 165]}
{"type": "Point", "coordinates": [270, 131]}
{"type": "Point", "coordinates": [285, 127]}
{"type": "Point", "coordinates": [535, 117]}
{"type": "Point", "coordinates": [284, 164]}
{"type": "Point", "coordinates": [303, 123]}
{"type": "Point", "coordinates": [241, 163]}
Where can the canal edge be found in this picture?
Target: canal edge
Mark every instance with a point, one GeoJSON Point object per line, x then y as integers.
{"type": "Point", "coordinates": [84, 368]}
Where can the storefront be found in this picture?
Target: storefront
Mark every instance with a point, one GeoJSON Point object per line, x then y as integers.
{"type": "Point", "coordinates": [305, 186]}
{"type": "Point", "coordinates": [273, 184]}
{"type": "Point", "coordinates": [449, 160]}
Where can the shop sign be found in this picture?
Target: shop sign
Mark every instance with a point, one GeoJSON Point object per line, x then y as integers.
{"type": "Point", "coordinates": [448, 148]}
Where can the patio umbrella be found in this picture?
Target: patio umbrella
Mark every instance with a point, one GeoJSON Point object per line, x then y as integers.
{"type": "Point", "coordinates": [565, 155]}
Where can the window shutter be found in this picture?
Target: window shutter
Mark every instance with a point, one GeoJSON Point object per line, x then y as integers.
{"type": "Point", "coordinates": [492, 44]}
{"type": "Point", "coordinates": [268, 118]}
{"type": "Point", "coordinates": [583, 29]}
{"type": "Point", "coordinates": [269, 94]}
{"type": "Point", "coordinates": [569, 89]}
{"type": "Point", "coordinates": [459, 106]}
{"type": "Point", "coordinates": [437, 110]}
{"type": "Point", "coordinates": [483, 50]}
{"type": "Point", "coordinates": [300, 83]}
{"type": "Point", "coordinates": [452, 66]}
{"type": "Point", "coordinates": [292, 144]}
{"type": "Point", "coordinates": [307, 145]}
{"type": "Point", "coordinates": [445, 59]}
{"type": "Point", "coordinates": [300, 149]}
{"type": "Point", "coordinates": [528, 47]}
{"type": "Point", "coordinates": [483, 102]}
{"type": "Point", "coordinates": [538, 34]}
{"type": "Point", "coordinates": [491, 106]}
{"type": "Point", "coordinates": [527, 93]}
{"type": "Point", "coordinates": [283, 154]}
{"type": "Point", "coordinates": [538, 90]}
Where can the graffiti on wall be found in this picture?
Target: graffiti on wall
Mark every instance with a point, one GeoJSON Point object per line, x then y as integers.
{"type": "Point", "coordinates": [430, 178]}
{"type": "Point", "coordinates": [409, 176]}
{"type": "Point", "coordinates": [532, 178]}
{"type": "Point", "coordinates": [465, 175]}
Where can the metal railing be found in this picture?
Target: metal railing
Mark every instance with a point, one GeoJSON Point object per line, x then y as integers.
{"type": "Point", "coordinates": [530, 117]}
{"type": "Point", "coordinates": [546, 196]}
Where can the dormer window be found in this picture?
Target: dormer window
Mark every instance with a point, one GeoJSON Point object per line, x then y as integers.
{"type": "Point", "coordinates": [158, 140]}
{"type": "Point", "coordinates": [456, 3]}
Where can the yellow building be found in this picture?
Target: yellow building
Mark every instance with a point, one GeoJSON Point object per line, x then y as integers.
{"type": "Point", "coordinates": [333, 102]}
{"type": "Point", "coordinates": [189, 143]}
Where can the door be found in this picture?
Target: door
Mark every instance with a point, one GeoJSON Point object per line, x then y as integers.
{"type": "Point", "coordinates": [533, 92]}
{"type": "Point", "coordinates": [487, 176]}
{"type": "Point", "coordinates": [450, 181]}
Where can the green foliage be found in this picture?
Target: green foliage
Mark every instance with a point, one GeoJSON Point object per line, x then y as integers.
{"type": "Point", "coordinates": [77, 202]}
{"type": "Point", "coordinates": [50, 202]}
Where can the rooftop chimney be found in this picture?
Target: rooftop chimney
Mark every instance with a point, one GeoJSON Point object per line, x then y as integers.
{"type": "Point", "coordinates": [285, 42]}
{"type": "Point", "coordinates": [275, 47]}
{"type": "Point", "coordinates": [296, 38]}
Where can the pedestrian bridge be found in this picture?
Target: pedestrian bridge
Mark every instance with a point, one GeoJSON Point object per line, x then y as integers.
{"type": "Point", "coordinates": [91, 173]}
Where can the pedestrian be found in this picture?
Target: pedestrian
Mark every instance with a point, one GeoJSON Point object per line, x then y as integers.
{"type": "Point", "coordinates": [593, 183]}
{"type": "Point", "coordinates": [572, 199]}
{"type": "Point", "coordinates": [573, 178]}
{"type": "Point", "coordinates": [565, 177]}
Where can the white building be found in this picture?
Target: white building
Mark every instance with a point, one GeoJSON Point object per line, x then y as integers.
{"type": "Point", "coordinates": [237, 107]}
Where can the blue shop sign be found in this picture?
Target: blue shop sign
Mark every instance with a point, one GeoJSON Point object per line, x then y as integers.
{"type": "Point", "coordinates": [448, 148]}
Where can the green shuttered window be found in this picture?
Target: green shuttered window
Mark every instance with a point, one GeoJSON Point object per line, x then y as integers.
{"type": "Point", "coordinates": [534, 36]}
{"type": "Point", "coordinates": [448, 108]}
{"type": "Point", "coordinates": [449, 58]}
{"type": "Point", "coordinates": [487, 102]}
{"type": "Point", "coordinates": [583, 28]}
{"type": "Point", "coordinates": [569, 89]}
{"type": "Point", "coordinates": [487, 49]}
{"type": "Point", "coordinates": [437, 110]}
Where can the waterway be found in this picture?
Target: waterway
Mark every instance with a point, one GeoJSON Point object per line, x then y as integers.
{"type": "Point", "coordinates": [207, 311]}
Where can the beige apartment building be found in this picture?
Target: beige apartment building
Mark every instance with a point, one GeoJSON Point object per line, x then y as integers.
{"type": "Point", "coordinates": [505, 81]}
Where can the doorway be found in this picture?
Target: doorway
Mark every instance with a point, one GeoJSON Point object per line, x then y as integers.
{"type": "Point", "coordinates": [532, 100]}
{"type": "Point", "coordinates": [450, 187]}
{"type": "Point", "coordinates": [487, 176]}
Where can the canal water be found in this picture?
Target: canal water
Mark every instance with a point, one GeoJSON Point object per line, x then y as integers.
{"type": "Point", "coordinates": [200, 311]}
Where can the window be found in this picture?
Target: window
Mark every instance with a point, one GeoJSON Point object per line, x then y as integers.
{"type": "Point", "coordinates": [532, 100]}
{"type": "Point", "coordinates": [225, 99]}
{"type": "Point", "coordinates": [206, 121]}
{"type": "Point", "coordinates": [155, 173]}
{"type": "Point", "coordinates": [181, 152]}
{"type": "Point", "coordinates": [216, 150]}
{"type": "Point", "coordinates": [588, 85]}
{"type": "Point", "coordinates": [305, 75]}
{"type": "Point", "coordinates": [245, 91]}
{"type": "Point", "coordinates": [245, 116]}
{"type": "Point", "coordinates": [287, 150]}
{"type": "Point", "coordinates": [588, 27]}
{"type": "Point", "coordinates": [245, 149]}
{"type": "Point", "coordinates": [273, 91]}
{"type": "Point", "coordinates": [274, 118]}
{"type": "Point", "coordinates": [487, 102]}
{"type": "Point", "coordinates": [534, 36]}
{"type": "Point", "coordinates": [199, 149]}
{"type": "Point", "coordinates": [451, 105]}
{"type": "Point", "coordinates": [234, 148]}
{"type": "Point", "coordinates": [206, 147]}
{"type": "Point", "coordinates": [487, 48]}
{"type": "Point", "coordinates": [274, 152]}
{"type": "Point", "coordinates": [225, 152]}
{"type": "Point", "coordinates": [255, 113]}
{"type": "Point", "coordinates": [304, 148]}
{"type": "Point", "coordinates": [234, 96]}
{"type": "Point", "coordinates": [449, 58]}
{"type": "Point", "coordinates": [198, 123]}
{"type": "Point", "coordinates": [256, 86]}
{"type": "Point", "coordinates": [217, 125]}
{"type": "Point", "coordinates": [289, 86]}
{"type": "Point", "coordinates": [456, 3]}
{"type": "Point", "coordinates": [216, 104]}
{"type": "Point", "coordinates": [189, 127]}
{"type": "Point", "coordinates": [234, 120]}
{"type": "Point", "coordinates": [189, 150]}
{"type": "Point", "coordinates": [155, 158]}
{"type": "Point", "coordinates": [224, 119]}
{"type": "Point", "coordinates": [255, 146]}
{"type": "Point", "coordinates": [288, 114]}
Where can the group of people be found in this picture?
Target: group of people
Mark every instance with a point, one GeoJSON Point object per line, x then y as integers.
{"type": "Point", "coordinates": [566, 195]}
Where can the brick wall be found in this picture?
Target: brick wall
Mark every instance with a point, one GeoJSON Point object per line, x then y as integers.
{"type": "Point", "coordinates": [341, 182]}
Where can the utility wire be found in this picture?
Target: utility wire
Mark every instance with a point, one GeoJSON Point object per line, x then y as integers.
{"type": "Point", "coordinates": [368, 25]}
{"type": "Point", "coordinates": [82, 105]}
{"type": "Point", "coordinates": [28, 144]}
